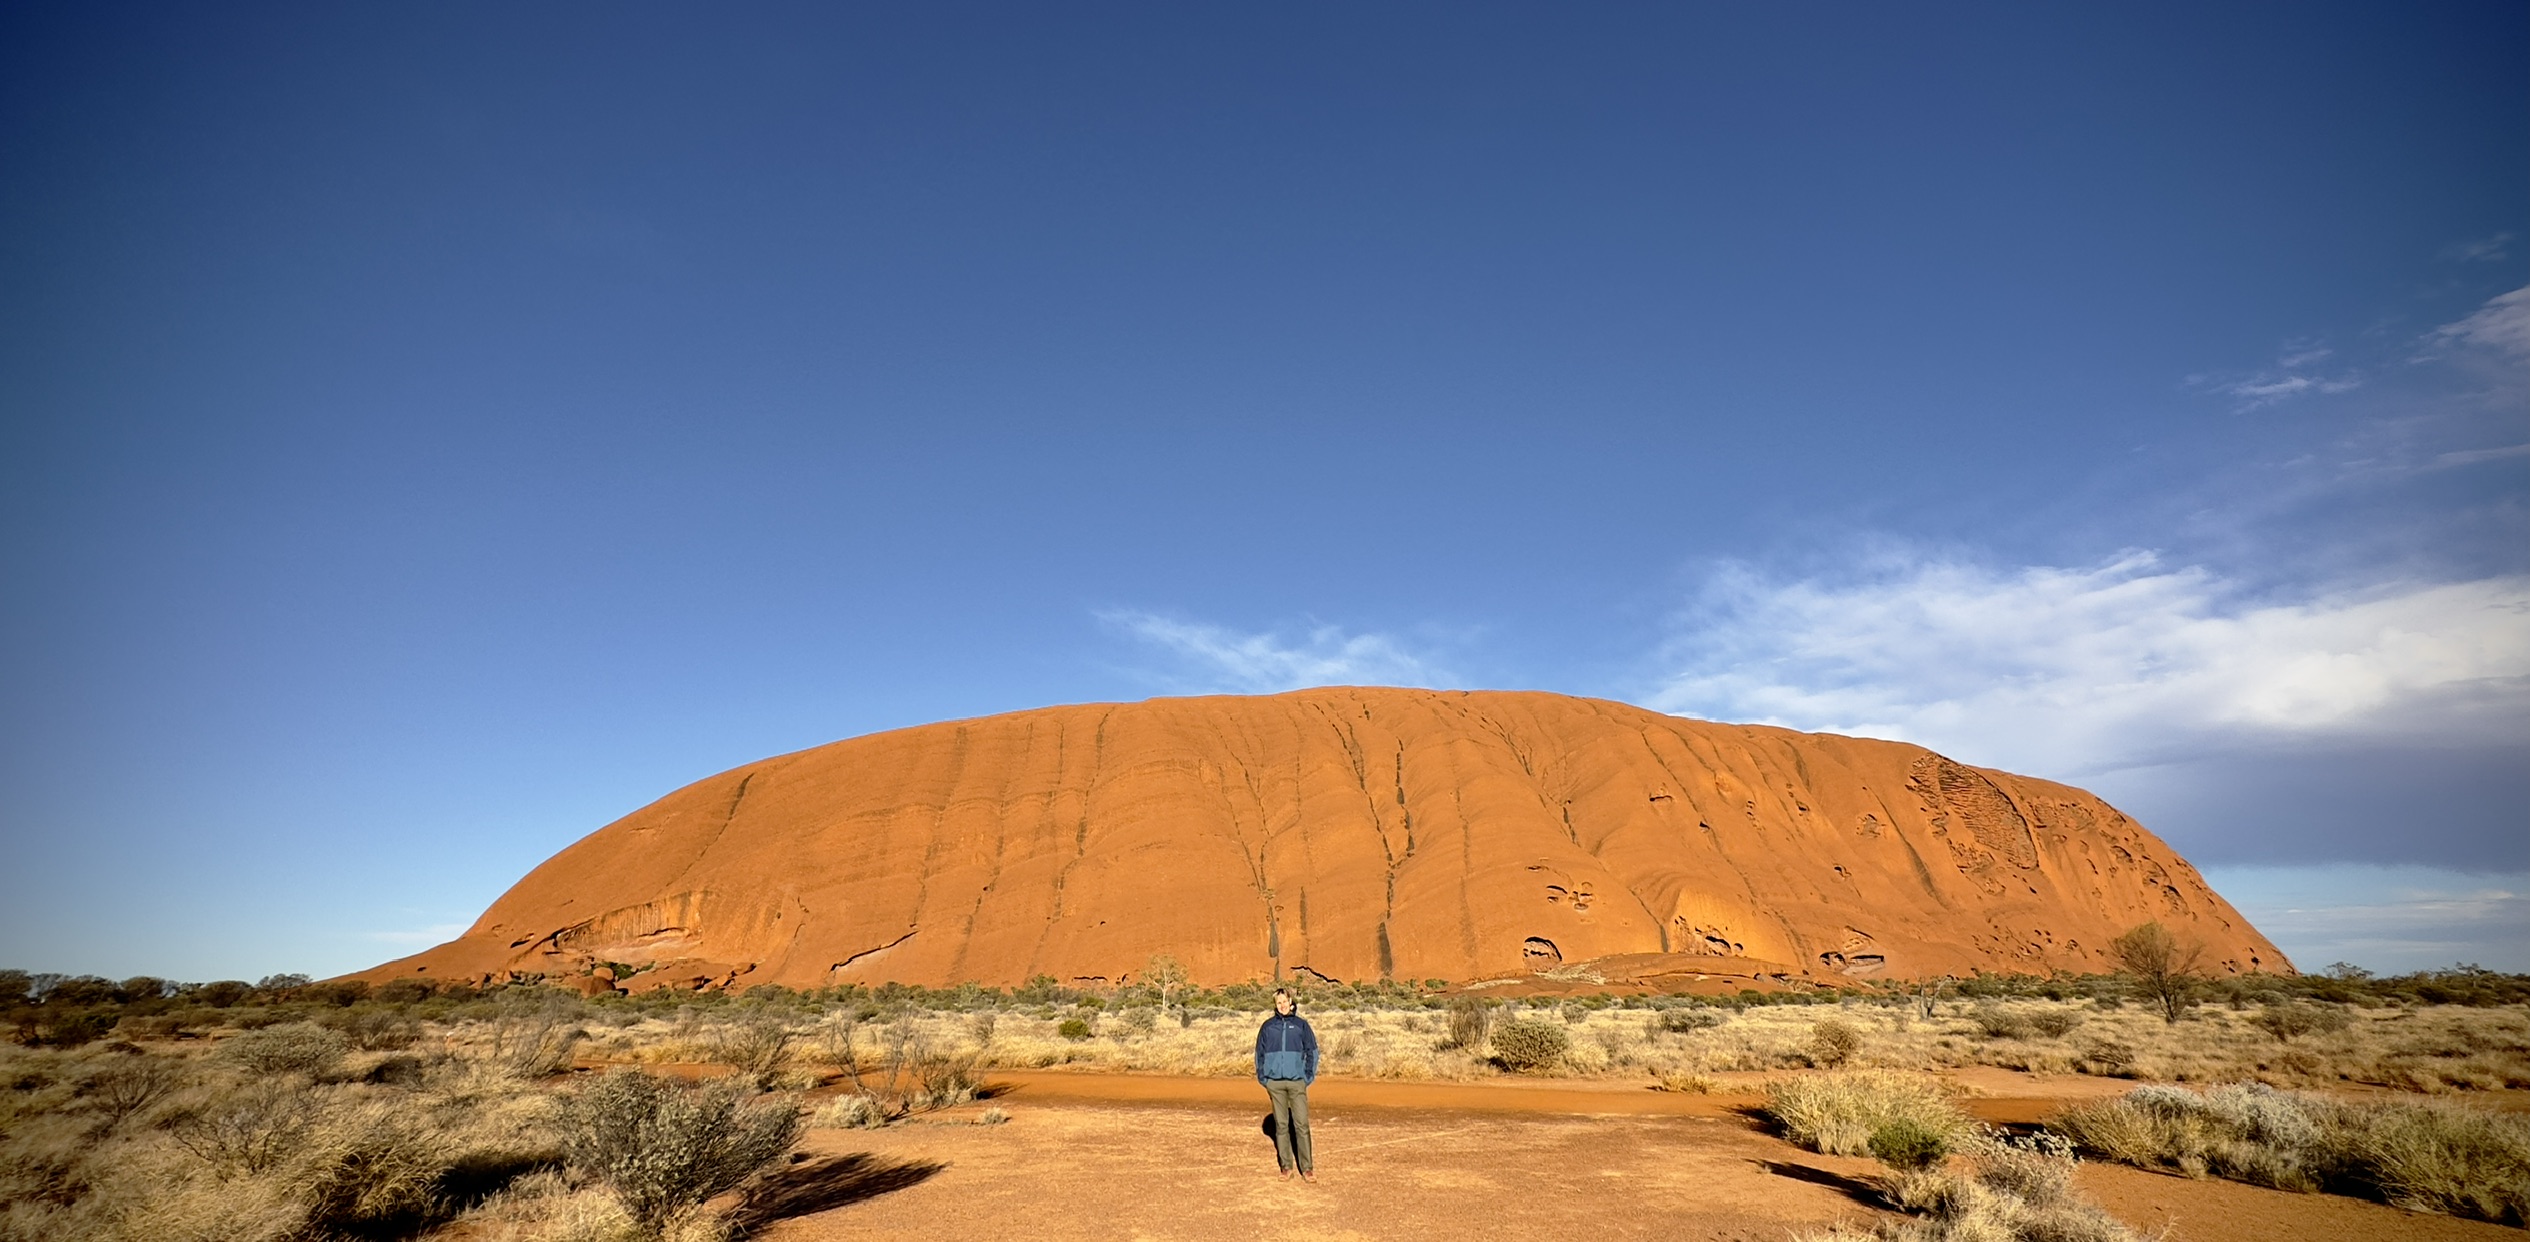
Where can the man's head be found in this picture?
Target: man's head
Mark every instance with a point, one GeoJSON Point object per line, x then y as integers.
{"type": "Point", "coordinates": [1282, 1000]}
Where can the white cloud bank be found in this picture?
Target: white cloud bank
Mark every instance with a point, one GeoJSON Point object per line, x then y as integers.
{"type": "Point", "coordinates": [1222, 660]}
{"type": "Point", "coordinates": [2076, 671]}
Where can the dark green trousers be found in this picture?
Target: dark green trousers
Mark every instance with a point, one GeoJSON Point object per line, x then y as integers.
{"type": "Point", "coordinates": [1291, 1123]}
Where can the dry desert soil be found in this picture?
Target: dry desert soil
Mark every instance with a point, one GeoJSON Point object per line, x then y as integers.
{"type": "Point", "coordinates": [1118, 1156]}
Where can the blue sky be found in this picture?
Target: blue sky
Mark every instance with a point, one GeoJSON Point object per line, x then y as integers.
{"type": "Point", "coordinates": [427, 434]}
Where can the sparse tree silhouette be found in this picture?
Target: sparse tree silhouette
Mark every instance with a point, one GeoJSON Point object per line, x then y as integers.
{"type": "Point", "coordinates": [2164, 967]}
{"type": "Point", "coordinates": [1168, 975]}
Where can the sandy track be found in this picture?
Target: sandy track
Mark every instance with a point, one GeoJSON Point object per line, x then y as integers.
{"type": "Point", "coordinates": [2000, 1099]}
{"type": "Point", "coordinates": [1148, 1157]}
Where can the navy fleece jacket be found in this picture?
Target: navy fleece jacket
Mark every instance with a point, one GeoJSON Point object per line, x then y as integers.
{"type": "Point", "coordinates": [1286, 1048]}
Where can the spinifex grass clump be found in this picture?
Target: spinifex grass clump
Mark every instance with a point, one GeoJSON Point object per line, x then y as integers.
{"type": "Point", "coordinates": [294, 1048]}
{"type": "Point", "coordinates": [125, 1145]}
{"type": "Point", "coordinates": [1838, 1113]}
{"type": "Point", "coordinates": [664, 1149]}
{"type": "Point", "coordinates": [1833, 1043]}
{"type": "Point", "coordinates": [2420, 1156]}
{"type": "Point", "coordinates": [1982, 1186]}
{"type": "Point", "coordinates": [1529, 1044]}
{"type": "Point", "coordinates": [1470, 1023]}
{"type": "Point", "coordinates": [2293, 1018]}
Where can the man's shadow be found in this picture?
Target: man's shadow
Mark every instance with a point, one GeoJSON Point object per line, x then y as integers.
{"type": "Point", "coordinates": [822, 1185]}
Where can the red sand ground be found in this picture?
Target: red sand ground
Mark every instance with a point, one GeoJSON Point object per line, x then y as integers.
{"type": "Point", "coordinates": [1352, 834]}
{"type": "Point", "coordinates": [1125, 1156]}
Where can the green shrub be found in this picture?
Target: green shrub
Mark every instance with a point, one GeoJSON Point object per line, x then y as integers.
{"type": "Point", "coordinates": [1529, 1044]}
{"type": "Point", "coordinates": [1685, 1020]}
{"type": "Point", "coordinates": [1074, 1029]}
{"type": "Point", "coordinates": [1838, 1113]}
{"type": "Point", "coordinates": [64, 1027]}
{"type": "Point", "coordinates": [664, 1150]}
{"type": "Point", "coordinates": [222, 994]}
{"type": "Point", "coordinates": [1905, 1143]}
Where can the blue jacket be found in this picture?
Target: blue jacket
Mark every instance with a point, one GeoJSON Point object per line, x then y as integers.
{"type": "Point", "coordinates": [1286, 1048]}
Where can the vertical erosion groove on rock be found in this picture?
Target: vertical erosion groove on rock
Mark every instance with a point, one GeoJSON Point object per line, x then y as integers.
{"type": "Point", "coordinates": [1361, 834]}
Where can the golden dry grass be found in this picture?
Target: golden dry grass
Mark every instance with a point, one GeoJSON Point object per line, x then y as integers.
{"type": "Point", "coordinates": [451, 1122]}
{"type": "Point", "coordinates": [2423, 1155]}
{"type": "Point", "coordinates": [2435, 1050]}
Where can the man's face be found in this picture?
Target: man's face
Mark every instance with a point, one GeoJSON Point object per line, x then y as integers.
{"type": "Point", "coordinates": [1282, 1003]}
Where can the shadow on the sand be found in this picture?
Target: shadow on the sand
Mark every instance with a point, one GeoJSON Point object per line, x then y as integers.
{"type": "Point", "coordinates": [1854, 1188]}
{"type": "Point", "coordinates": [814, 1186]}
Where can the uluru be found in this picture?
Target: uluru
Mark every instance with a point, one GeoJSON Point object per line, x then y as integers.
{"type": "Point", "coordinates": [1346, 834]}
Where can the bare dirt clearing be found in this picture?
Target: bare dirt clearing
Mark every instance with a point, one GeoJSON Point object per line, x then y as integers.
{"type": "Point", "coordinates": [1144, 1156]}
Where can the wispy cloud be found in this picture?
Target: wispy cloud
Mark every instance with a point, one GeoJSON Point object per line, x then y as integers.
{"type": "Point", "coordinates": [2471, 457]}
{"type": "Point", "coordinates": [2290, 377]}
{"type": "Point", "coordinates": [2493, 249]}
{"type": "Point", "coordinates": [2269, 389]}
{"type": "Point", "coordinates": [1219, 659]}
{"type": "Point", "coordinates": [2502, 324]}
{"type": "Point", "coordinates": [2390, 919]}
{"type": "Point", "coordinates": [2076, 671]}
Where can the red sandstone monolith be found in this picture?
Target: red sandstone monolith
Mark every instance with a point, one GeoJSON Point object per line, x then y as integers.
{"type": "Point", "coordinates": [1351, 834]}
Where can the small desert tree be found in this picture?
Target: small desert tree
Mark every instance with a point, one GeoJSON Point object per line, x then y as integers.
{"type": "Point", "coordinates": [758, 1046]}
{"type": "Point", "coordinates": [2164, 968]}
{"type": "Point", "coordinates": [1168, 975]}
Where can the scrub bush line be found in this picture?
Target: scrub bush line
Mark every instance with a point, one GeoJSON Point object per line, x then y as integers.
{"type": "Point", "coordinates": [2428, 1157]}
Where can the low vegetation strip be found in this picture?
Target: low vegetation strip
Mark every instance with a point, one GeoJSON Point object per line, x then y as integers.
{"type": "Point", "coordinates": [287, 1109]}
{"type": "Point", "coordinates": [2420, 1155]}
{"type": "Point", "coordinates": [1957, 1181]}
{"type": "Point", "coordinates": [1839, 1113]}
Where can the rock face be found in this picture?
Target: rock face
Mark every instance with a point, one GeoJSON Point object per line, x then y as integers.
{"type": "Point", "coordinates": [1353, 834]}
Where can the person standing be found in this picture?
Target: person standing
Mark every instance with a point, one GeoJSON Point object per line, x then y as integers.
{"type": "Point", "coordinates": [1286, 1063]}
